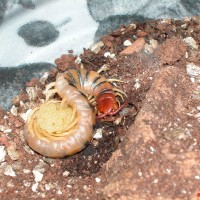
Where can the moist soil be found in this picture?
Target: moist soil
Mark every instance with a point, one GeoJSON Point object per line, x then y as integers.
{"type": "Point", "coordinates": [149, 150]}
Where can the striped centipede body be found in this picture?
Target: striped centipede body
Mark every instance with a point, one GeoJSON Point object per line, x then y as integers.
{"type": "Point", "coordinates": [89, 96]}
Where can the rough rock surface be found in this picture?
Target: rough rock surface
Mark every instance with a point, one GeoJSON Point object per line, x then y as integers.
{"type": "Point", "coordinates": [144, 157]}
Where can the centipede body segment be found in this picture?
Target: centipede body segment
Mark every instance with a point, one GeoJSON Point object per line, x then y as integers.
{"type": "Point", "coordinates": [62, 128]}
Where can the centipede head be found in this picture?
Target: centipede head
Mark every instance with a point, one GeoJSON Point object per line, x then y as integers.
{"type": "Point", "coordinates": [107, 104]}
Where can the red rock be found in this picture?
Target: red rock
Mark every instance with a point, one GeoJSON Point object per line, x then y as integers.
{"type": "Point", "coordinates": [142, 34]}
{"type": "Point", "coordinates": [65, 62]}
{"type": "Point", "coordinates": [171, 50]}
{"type": "Point", "coordinates": [142, 155]}
{"type": "Point", "coordinates": [137, 45]}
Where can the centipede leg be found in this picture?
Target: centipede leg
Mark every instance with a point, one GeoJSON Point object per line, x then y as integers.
{"type": "Point", "coordinates": [50, 86]}
{"type": "Point", "coordinates": [118, 102]}
{"type": "Point", "coordinates": [94, 103]}
{"type": "Point", "coordinates": [103, 69]}
{"type": "Point", "coordinates": [50, 93]}
{"type": "Point", "coordinates": [64, 100]}
{"type": "Point", "coordinates": [114, 80]}
{"type": "Point", "coordinates": [120, 91]}
{"type": "Point", "coordinates": [120, 95]}
{"type": "Point", "coordinates": [92, 100]}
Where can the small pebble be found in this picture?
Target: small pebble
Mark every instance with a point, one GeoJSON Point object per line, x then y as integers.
{"type": "Point", "coordinates": [13, 110]}
{"type": "Point", "coordinates": [153, 43]}
{"type": "Point", "coordinates": [98, 180]}
{"type": "Point", "coordinates": [197, 177]}
{"type": "Point", "coordinates": [41, 166]}
{"type": "Point", "coordinates": [8, 171]}
{"type": "Point", "coordinates": [26, 183]}
{"type": "Point", "coordinates": [66, 173]}
{"type": "Point", "coordinates": [148, 49]}
{"type": "Point", "coordinates": [96, 47]}
{"type": "Point", "coordinates": [34, 187]}
{"type": "Point", "coordinates": [140, 173]}
{"type": "Point", "coordinates": [49, 186]}
{"type": "Point", "coordinates": [109, 55]}
{"type": "Point", "coordinates": [191, 43]}
{"type": "Point", "coordinates": [69, 186]}
{"type": "Point", "coordinates": [38, 175]}
{"type": "Point", "coordinates": [49, 161]}
{"type": "Point", "coordinates": [137, 85]}
{"type": "Point", "coordinates": [127, 43]}
{"type": "Point", "coordinates": [98, 133]}
{"type": "Point", "coordinates": [45, 76]}
{"type": "Point", "coordinates": [2, 128]}
{"type": "Point", "coordinates": [26, 171]}
{"type": "Point", "coordinates": [12, 152]}
{"type": "Point", "coordinates": [25, 115]}
{"type": "Point", "coordinates": [28, 150]}
{"type": "Point", "coordinates": [10, 184]}
{"type": "Point", "coordinates": [8, 130]}
{"type": "Point", "coordinates": [78, 60]}
{"type": "Point", "coordinates": [193, 70]}
{"type": "Point", "coordinates": [32, 93]}
{"type": "Point", "coordinates": [59, 192]}
{"type": "Point", "coordinates": [2, 153]}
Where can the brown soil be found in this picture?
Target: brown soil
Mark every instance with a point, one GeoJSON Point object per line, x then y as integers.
{"type": "Point", "coordinates": [150, 150]}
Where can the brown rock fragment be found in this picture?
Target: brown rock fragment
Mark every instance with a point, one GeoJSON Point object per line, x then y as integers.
{"type": "Point", "coordinates": [171, 50]}
{"type": "Point", "coordinates": [142, 157]}
{"type": "Point", "coordinates": [65, 62]}
{"type": "Point", "coordinates": [137, 45]}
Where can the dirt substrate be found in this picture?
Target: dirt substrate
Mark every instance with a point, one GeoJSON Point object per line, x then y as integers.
{"type": "Point", "coordinates": [150, 150]}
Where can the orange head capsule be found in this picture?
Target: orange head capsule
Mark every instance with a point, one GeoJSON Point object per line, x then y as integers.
{"type": "Point", "coordinates": [107, 104]}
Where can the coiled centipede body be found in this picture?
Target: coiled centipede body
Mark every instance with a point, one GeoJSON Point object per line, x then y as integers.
{"type": "Point", "coordinates": [81, 91]}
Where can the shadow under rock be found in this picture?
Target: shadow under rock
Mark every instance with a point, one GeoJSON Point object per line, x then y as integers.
{"type": "Point", "coordinates": [13, 79]}
{"type": "Point", "coordinates": [112, 23]}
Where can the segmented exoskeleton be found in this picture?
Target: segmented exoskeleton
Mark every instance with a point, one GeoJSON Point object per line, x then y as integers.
{"type": "Point", "coordinates": [83, 91]}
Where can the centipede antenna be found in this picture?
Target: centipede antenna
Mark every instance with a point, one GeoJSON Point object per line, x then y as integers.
{"type": "Point", "coordinates": [120, 108]}
{"type": "Point", "coordinates": [120, 91]}
{"type": "Point", "coordinates": [114, 80]}
{"type": "Point", "coordinates": [101, 116]}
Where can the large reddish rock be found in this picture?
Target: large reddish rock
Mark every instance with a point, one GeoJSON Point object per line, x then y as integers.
{"type": "Point", "coordinates": [172, 50]}
{"type": "Point", "coordinates": [154, 160]}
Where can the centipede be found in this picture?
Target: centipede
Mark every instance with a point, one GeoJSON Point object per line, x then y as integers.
{"type": "Point", "coordinates": [60, 128]}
